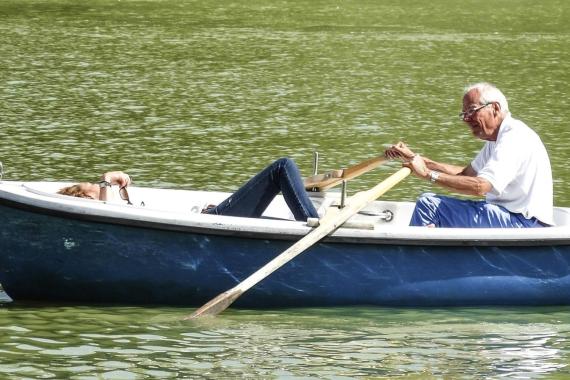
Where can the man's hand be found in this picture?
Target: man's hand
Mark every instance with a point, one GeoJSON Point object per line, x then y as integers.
{"type": "Point", "coordinates": [399, 151]}
{"type": "Point", "coordinates": [418, 166]}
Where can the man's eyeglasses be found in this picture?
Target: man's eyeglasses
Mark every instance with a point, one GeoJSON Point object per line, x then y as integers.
{"type": "Point", "coordinates": [466, 115]}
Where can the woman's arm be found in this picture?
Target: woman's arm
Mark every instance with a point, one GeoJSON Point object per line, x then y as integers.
{"type": "Point", "coordinates": [112, 178]}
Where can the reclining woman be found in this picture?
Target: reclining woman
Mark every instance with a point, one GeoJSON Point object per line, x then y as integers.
{"type": "Point", "coordinates": [249, 201]}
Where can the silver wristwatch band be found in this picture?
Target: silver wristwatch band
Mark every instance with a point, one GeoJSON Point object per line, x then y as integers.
{"type": "Point", "coordinates": [434, 175]}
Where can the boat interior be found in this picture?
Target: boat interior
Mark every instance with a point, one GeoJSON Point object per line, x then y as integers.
{"type": "Point", "coordinates": [381, 213]}
{"type": "Point", "coordinates": [188, 202]}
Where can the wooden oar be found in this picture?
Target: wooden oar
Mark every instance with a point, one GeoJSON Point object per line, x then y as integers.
{"type": "Point", "coordinates": [322, 182]}
{"type": "Point", "coordinates": [355, 204]}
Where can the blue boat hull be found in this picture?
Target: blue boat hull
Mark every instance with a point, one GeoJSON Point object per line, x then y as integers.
{"type": "Point", "coordinates": [58, 259]}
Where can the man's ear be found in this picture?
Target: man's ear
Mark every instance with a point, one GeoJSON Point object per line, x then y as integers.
{"type": "Point", "coordinates": [496, 109]}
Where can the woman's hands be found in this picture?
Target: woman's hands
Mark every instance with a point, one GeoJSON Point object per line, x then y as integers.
{"type": "Point", "coordinates": [117, 178]}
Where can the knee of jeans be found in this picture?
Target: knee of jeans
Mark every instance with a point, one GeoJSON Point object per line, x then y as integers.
{"type": "Point", "coordinates": [284, 161]}
{"type": "Point", "coordinates": [427, 199]}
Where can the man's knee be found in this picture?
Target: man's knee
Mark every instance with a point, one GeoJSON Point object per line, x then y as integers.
{"type": "Point", "coordinates": [428, 200]}
{"type": "Point", "coordinates": [425, 211]}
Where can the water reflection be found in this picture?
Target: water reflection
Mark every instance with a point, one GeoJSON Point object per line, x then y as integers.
{"type": "Point", "coordinates": [118, 342]}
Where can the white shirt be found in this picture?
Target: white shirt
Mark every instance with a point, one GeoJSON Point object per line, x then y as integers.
{"type": "Point", "coordinates": [518, 168]}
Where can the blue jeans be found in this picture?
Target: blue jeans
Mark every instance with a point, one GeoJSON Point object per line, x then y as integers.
{"type": "Point", "coordinates": [251, 200]}
{"type": "Point", "coordinates": [443, 211]}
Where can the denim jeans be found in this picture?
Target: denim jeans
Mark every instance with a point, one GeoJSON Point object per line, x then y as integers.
{"type": "Point", "coordinates": [253, 197]}
{"type": "Point", "coordinates": [443, 211]}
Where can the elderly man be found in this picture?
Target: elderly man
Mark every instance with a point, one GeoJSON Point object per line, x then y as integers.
{"type": "Point", "coordinates": [512, 171]}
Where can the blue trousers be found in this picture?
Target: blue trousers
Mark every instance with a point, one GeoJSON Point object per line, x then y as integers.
{"type": "Point", "coordinates": [443, 211]}
{"type": "Point", "coordinates": [255, 195]}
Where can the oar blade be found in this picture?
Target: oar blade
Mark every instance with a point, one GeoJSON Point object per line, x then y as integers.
{"type": "Point", "coordinates": [218, 304]}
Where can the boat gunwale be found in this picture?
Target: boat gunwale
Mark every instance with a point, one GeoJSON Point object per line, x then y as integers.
{"type": "Point", "coordinates": [235, 226]}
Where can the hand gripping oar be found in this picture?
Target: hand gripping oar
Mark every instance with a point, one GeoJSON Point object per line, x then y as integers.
{"type": "Point", "coordinates": [355, 204]}
{"type": "Point", "coordinates": [325, 181]}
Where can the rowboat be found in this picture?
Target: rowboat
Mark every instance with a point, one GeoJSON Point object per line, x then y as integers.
{"type": "Point", "coordinates": [163, 250]}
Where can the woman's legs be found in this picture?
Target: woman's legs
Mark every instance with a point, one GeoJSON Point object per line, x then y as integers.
{"type": "Point", "coordinates": [253, 197]}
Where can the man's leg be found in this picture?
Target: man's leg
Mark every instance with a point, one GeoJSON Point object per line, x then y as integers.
{"type": "Point", "coordinates": [442, 211]}
{"type": "Point", "coordinates": [252, 198]}
{"type": "Point", "coordinates": [426, 211]}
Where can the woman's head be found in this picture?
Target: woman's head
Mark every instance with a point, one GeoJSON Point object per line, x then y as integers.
{"type": "Point", "coordinates": [81, 190]}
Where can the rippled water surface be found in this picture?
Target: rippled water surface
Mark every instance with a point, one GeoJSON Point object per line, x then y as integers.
{"type": "Point", "coordinates": [202, 94]}
{"type": "Point", "coordinates": [130, 343]}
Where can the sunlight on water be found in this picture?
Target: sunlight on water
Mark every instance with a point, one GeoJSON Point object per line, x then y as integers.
{"type": "Point", "coordinates": [174, 93]}
{"type": "Point", "coordinates": [131, 342]}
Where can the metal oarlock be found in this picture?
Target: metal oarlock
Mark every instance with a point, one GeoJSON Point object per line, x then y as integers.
{"type": "Point", "coordinates": [315, 162]}
{"type": "Point", "coordinates": [343, 194]}
{"type": "Point", "coordinates": [385, 215]}
{"type": "Point", "coordinates": [315, 166]}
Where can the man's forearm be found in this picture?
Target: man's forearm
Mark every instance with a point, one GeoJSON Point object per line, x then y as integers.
{"type": "Point", "coordinates": [444, 168]}
{"type": "Point", "coordinates": [464, 184]}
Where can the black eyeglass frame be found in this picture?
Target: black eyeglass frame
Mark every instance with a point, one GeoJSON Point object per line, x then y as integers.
{"type": "Point", "coordinates": [466, 115]}
{"type": "Point", "coordinates": [124, 194]}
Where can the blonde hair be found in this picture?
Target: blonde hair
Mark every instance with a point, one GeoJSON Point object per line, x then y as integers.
{"type": "Point", "coordinates": [76, 190]}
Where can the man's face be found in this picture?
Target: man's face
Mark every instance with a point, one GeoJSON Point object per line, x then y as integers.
{"type": "Point", "coordinates": [483, 120]}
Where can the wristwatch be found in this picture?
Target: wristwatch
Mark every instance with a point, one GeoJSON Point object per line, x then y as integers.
{"type": "Point", "coordinates": [434, 175]}
{"type": "Point", "coordinates": [103, 184]}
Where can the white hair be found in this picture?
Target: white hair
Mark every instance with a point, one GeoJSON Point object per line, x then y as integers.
{"type": "Point", "coordinates": [489, 94]}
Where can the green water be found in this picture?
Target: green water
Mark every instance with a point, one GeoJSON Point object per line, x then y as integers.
{"type": "Point", "coordinates": [202, 94]}
{"type": "Point", "coordinates": [343, 343]}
